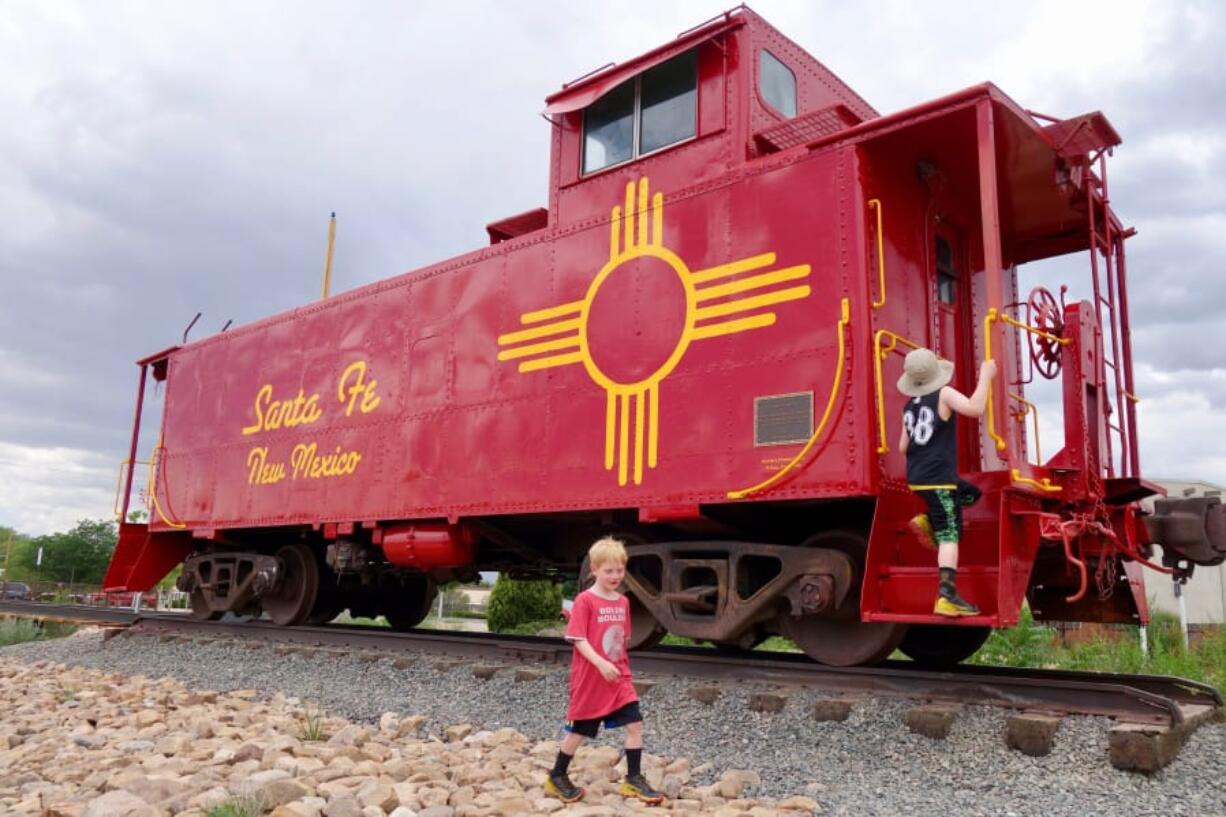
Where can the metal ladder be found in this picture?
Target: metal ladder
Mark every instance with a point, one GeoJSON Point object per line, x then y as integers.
{"type": "Point", "coordinates": [1108, 274]}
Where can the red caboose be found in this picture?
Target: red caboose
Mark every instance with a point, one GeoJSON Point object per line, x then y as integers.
{"type": "Point", "coordinates": [694, 346]}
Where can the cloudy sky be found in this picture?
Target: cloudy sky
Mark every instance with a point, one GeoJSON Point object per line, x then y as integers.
{"type": "Point", "coordinates": [161, 159]}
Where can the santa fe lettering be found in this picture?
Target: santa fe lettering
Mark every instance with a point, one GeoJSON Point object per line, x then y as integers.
{"type": "Point", "coordinates": [354, 391]}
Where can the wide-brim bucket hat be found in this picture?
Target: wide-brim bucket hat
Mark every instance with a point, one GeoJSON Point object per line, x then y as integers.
{"type": "Point", "coordinates": [923, 373]}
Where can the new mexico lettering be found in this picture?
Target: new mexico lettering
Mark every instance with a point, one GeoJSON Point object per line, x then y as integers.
{"type": "Point", "coordinates": [353, 391]}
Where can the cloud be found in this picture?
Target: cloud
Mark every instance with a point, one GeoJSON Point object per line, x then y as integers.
{"type": "Point", "coordinates": [50, 489]}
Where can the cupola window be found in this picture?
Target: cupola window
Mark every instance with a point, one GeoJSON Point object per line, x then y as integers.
{"type": "Point", "coordinates": [648, 113]}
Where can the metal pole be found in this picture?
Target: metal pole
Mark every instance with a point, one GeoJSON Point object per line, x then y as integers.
{"type": "Point", "coordinates": [1183, 613]}
{"type": "Point", "coordinates": [1145, 640]}
{"type": "Point", "coordinates": [328, 258]}
{"type": "Point", "coordinates": [8, 553]}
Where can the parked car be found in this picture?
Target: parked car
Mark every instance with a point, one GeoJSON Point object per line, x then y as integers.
{"type": "Point", "coordinates": [19, 591]}
{"type": "Point", "coordinates": [121, 599]}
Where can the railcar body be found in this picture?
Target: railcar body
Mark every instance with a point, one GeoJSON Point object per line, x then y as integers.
{"type": "Point", "coordinates": [693, 345]}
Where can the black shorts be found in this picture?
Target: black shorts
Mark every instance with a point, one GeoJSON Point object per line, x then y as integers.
{"type": "Point", "coordinates": [630, 713]}
{"type": "Point", "coordinates": [945, 509]}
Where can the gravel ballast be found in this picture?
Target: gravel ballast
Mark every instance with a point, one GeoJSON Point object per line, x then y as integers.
{"type": "Point", "coordinates": [870, 764]}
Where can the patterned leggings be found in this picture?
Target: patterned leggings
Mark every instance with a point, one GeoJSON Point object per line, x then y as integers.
{"type": "Point", "coordinates": [945, 509]}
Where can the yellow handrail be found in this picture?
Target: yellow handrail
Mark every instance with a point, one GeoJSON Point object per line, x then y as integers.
{"type": "Point", "coordinates": [879, 355]}
{"type": "Point", "coordinates": [841, 330]}
{"type": "Point", "coordinates": [1033, 410]}
{"type": "Point", "coordinates": [116, 507]}
{"type": "Point", "coordinates": [993, 315]}
{"type": "Point", "coordinates": [876, 205]}
{"type": "Point", "coordinates": [154, 461]}
{"type": "Point", "coordinates": [1043, 484]}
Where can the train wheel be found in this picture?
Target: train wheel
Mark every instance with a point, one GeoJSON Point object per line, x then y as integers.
{"type": "Point", "coordinates": [406, 608]}
{"type": "Point", "coordinates": [200, 610]}
{"type": "Point", "coordinates": [749, 639]}
{"type": "Point", "coordinates": [843, 640]}
{"type": "Point", "coordinates": [940, 645]}
{"type": "Point", "coordinates": [291, 603]}
{"type": "Point", "coordinates": [327, 607]}
{"type": "Point", "coordinates": [645, 631]}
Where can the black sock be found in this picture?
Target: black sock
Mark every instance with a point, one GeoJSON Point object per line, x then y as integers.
{"type": "Point", "coordinates": [562, 763]}
{"type": "Point", "coordinates": [949, 577]}
{"type": "Point", "coordinates": [634, 759]}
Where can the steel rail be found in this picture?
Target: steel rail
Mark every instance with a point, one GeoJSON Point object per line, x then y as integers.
{"type": "Point", "coordinates": [1148, 699]}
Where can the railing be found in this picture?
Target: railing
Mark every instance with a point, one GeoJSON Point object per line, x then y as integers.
{"type": "Point", "coordinates": [995, 315]}
{"type": "Point", "coordinates": [841, 331]}
{"type": "Point", "coordinates": [880, 354]}
{"type": "Point", "coordinates": [877, 304]}
{"type": "Point", "coordinates": [117, 506]}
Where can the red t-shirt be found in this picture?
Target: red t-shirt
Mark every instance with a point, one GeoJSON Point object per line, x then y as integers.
{"type": "Point", "coordinates": [605, 624]}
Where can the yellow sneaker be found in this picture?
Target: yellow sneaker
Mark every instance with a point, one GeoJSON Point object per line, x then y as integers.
{"type": "Point", "coordinates": [921, 527]}
{"type": "Point", "coordinates": [559, 786]}
{"type": "Point", "coordinates": [954, 607]}
{"type": "Point", "coordinates": [636, 786]}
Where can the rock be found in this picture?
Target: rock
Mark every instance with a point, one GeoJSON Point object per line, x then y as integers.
{"type": "Point", "coordinates": [437, 811]}
{"type": "Point", "coordinates": [513, 805]}
{"type": "Point", "coordinates": [798, 804]}
{"type": "Point", "coordinates": [381, 795]}
{"type": "Point", "coordinates": [704, 694]}
{"type": "Point", "coordinates": [134, 746]}
{"type": "Point", "coordinates": [343, 806]}
{"type": "Point", "coordinates": [296, 809]}
{"type": "Point", "coordinates": [457, 733]}
{"type": "Point", "coordinates": [547, 805]}
{"type": "Point", "coordinates": [349, 736]}
{"type": "Point", "coordinates": [410, 725]}
{"type": "Point", "coordinates": [280, 792]}
{"type": "Point", "coordinates": [119, 803]}
{"type": "Point", "coordinates": [734, 781]}
{"type": "Point", "coordinates": [89, 741]}
{"type": "Point", "coordinates": [403, 811]}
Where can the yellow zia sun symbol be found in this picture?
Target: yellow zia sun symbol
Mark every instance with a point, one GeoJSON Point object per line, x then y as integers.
{"type": "Point", "coordinates": [559, 335]}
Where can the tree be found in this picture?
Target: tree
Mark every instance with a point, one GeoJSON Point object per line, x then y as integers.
{"type": "Point", "coordinates": [81, 554]}
{"type": "Point", "coordinates": [12, 546]}
{"type": "Point", "coordinates": [514, 602]}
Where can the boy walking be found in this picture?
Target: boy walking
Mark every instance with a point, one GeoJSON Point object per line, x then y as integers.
{"type": "Point", "coordinates": [601, 688]}
{"type": "Point", "coordinates": [930, 441]}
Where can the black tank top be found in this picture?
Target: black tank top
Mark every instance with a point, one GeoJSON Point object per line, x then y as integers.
{"type": "Point", "coordinates": [932, 453]}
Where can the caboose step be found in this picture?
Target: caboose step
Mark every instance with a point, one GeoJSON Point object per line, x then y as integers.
{"type": "Point", "coordinates": [907, 594]}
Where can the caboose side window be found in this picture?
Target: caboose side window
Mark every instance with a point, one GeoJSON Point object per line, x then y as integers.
{"type": "Point", "coordinates": [648, 113]}
{"type": "Point", "coordinates": [777, 82]}
{"type": "Point", "coordinates": [947, 276]}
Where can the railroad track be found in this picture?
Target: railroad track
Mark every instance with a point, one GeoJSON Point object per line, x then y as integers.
{"type": "Point", "coordinates": [1154, 714]}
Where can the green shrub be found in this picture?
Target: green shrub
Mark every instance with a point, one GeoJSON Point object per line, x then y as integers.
{"type": "Point", "coordinates": [515, 602]}
{"type": "Point", "coordinates": [19, 631]}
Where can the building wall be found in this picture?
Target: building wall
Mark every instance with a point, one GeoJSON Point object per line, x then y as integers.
{"type": "Point", "coordinates": [1205, 594]}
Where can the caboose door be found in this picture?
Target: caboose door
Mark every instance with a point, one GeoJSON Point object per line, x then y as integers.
{"type": "Point", "coordinates": [953, 327]}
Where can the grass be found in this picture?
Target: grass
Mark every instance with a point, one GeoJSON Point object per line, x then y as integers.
{"type": "Point", "coordinates": [250, 806]}
{"type": "Point", "coordinates": [22, 630]}
{"type": "Point", "coordinates": [775, 643]}
{"type": "Point", "coordinates": [1032, 645]}
{"type": "Point", "coordinates": [312, 724]}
